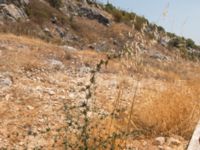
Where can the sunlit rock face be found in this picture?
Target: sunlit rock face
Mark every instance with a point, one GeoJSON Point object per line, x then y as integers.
{"type": "Point", "coordinates": [16, 2]}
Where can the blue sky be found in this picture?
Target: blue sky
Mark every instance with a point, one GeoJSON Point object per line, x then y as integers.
{"type": "Point", "coordinates": [181, 16]}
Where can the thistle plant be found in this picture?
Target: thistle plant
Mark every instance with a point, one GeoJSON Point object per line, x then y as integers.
{"type": "Point", "coordinates": [79, 123]}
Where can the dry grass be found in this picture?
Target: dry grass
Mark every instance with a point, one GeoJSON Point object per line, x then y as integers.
{"type": "Point", "coordinates": [28, 52]}
{"type": "Point", "coordinates": [23, 40]}
{"type": "Point", "coordinates": [173, 111]}
{"type": "Point", "coordinates": [157, 106]}
{"type": "Point", "coordinates": [168, 105]}
{"type": "Point", "coordinates": [89, 30]}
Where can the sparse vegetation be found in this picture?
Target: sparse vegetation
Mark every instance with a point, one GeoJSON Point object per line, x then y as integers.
{"type": "Point", "coordinates": [88, 100]}
{"type": "Point", "coordinates": [41, 13]}
{"type": "Point", "coordinates": [170, 112]}
{"type": "Point", "coordinates": [139, 113]}
{"type": "Point", "coordinates": [177, 42]}
{"type": "Point", "coordinates": [187, 47]}
{"type": "Point", "coordinates": [126, 17]}
{"type": "Point", "coordinates": [190, 43]}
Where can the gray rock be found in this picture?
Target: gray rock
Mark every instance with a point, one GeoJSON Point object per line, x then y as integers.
{"type": "Point", "coordinates": [173, 142]}
{"type": "Point", "coordinates": [68, 48]}
{"type": "Point", "coordinates": [16, 2]}
{"type": "Point", "coordinates": [84, 70]}
{"type": "Point", "coordinates": [161, 147]}
{"type": "Point", "coordinates": [100, 46]}
{"type": "Point", "coordinates": [194, 142]}
{"type": "Point", "coordinates": [159, 141]}
{"type": "Point", "coordinates": [93, 14]}
{"type": "Point", "coordinates": [25, 2]}
{"type": "Point", "coordinates": [72, 95]}
{"type": "Point", "coordinates": [85, 1]}
{"type": "Point", "coordinates": [54, 19]}
{"type": "Point", "coordinates": [144, 143]}
{"type": "Point", "coordinates": [51, 92]}
{"type": "Point", "coordinates": [60, 31]}
{"type": "Point", "coordinates": [12, 12]}
{"type": "Point", "coordinates": [194, 52]}
{"type": "Point", "coordinates": [47, 31]}
{"type": "Point", "coordinates": [159, 56]}
{"type": "Point", "coordinates": [3, 1]}
{"type": "Point", "coordinates": [56, 64]}
{"type": "Point", "coordinates": [30, 107]}
{"type": "Point", "coordinates": [5, 81]}
{"type": "Point", "coordinates": [164, 43]}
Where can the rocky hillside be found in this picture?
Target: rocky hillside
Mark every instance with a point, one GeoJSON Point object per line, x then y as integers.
{"type": "Point", "coordinates": [86, 24]}
{"type": "Point", "coordinates": [82, 75]}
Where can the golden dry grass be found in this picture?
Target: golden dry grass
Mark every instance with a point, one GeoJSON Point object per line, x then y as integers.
{"type": "Point", "coordinates": [175, 110]}
{"type": "Point", "coordinates": [160, 106]}
{"type": "Point", "coordinates": [167, 100]}
{"type": "Point", "coordinates": [170, 107]}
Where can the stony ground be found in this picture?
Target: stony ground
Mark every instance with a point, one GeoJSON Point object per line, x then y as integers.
{"type": "Point", "coordinates": [37, 80]}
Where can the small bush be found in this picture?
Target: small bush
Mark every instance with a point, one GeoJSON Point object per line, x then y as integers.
{"type": "Point", "coordinates": [140, 21]}
{"type": "Point", "coordinates": [161, 29]}
{"type": "Point", "coordinates": [190, 43]}
{"type": "Point", "coordinates": [171, 35]}
{"type": "Point", "coordinates": [126, 17]}
{"type": "Point", "coordinates": [177, 42]}
{"type": "Point", "coordinates": [117, 14]}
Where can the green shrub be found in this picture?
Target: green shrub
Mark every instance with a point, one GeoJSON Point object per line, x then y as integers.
{"type": "Point", "coordinates": [171, 35]}
{"type": "Point", "coordinates": [161, 29]}
{"type": "Point", "coordinates": [182, 42]}
{"type": "Point", "coordinates": [117, 14]}
{"type": "Point", "coordinates": [140, 21]}
{"type": "Point", "coordinates": [190, 43]}
{"type": "Point", "coordinates": [177, 42]}
{"type": "Point", "coordinates": [126, 17]}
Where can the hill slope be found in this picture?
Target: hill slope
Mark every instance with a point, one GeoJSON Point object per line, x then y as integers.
{"type": "Point", "coordinates": [86, 24]}
{"type": "Point", "coordinates": [80, 76]}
